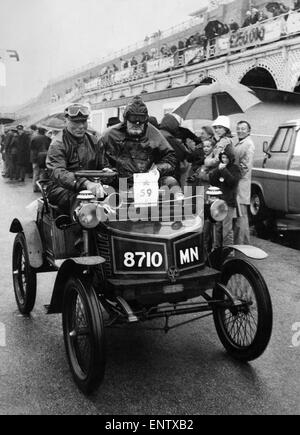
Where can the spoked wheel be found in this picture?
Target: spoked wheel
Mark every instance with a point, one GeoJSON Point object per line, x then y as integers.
{"type": "Point", "coordinates": [84, 334]}
{"type": "Point", "coordinates": [24, 276]}
{"type": "Point", "coordinates": [244, 327]}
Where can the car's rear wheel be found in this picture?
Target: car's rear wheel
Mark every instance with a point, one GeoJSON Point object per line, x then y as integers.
{"type": "Point", "coordinates": [84, 334]}
{"type": "Point", "coordinates": [24, 276]}
{"type": "Point", "coordinates": [245, 326]}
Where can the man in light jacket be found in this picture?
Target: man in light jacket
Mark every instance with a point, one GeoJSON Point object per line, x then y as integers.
{"type": "Point", "coordinates": [244, 158]}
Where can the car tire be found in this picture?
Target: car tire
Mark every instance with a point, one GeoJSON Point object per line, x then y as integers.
{"type": "Point", "coordinates": [84, 334]}
{"type": "Point", "coordinates": [245, 329]}
{"type": "Point", "coordinates": [24, 276]}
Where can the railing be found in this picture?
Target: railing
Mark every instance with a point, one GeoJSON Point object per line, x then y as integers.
{"type": "Point", "coordinates": [130, 49]}
{"type": "Point", "coordinates": [268, 31]}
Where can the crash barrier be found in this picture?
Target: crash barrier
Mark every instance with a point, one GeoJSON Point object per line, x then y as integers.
{"type": "Point", "coordinates": [258, 34]}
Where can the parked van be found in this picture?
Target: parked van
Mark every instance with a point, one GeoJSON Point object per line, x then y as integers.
{"type": "Point", "coordinates": [276, 176]}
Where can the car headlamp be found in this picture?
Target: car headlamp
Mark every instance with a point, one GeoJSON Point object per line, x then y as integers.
{"type": "Point", "coordinates": [219, 210]}
{"type": "Point", "coordinates": [87, 216]}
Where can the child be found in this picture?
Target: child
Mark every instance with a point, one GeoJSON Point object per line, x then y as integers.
{"type": "Point", "coordinates": [200, 171]}
{"type": "Point", "coordinates": [227, 177]}
{"type": "Point", "coordinates": [200, 177]}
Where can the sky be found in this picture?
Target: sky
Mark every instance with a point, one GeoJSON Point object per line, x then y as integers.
{"type": "Point", "coordinates": [54, 37]}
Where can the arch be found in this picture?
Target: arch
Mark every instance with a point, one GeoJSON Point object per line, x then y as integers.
{"type": "Point", "coordinates": [207, 81]}
{"type": "Point", "coordinates": [297, 86]}
{"type": "Point", "coordinates": [259, 76]}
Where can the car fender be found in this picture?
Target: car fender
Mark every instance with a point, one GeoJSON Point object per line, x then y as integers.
{"type": "Point", "coordinates": [218, 256]}
{"type": "Point", "coordinates": [33, 240]}
{"type": "Point", "coordinates": [250, 251]}
{"type": "Point", "coordinates": [75, 267]}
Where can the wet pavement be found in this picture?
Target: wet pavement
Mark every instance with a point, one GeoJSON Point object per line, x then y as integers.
{"type": "Point", "coordinates": [148, 372]}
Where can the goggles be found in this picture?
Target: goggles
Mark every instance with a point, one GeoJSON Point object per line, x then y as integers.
{"type": "Point", "coordinates": [77, 111]}
{"type": "Point", "coordinates": [137, 119]}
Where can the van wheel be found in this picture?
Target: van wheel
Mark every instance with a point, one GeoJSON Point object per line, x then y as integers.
{"type": "Point", "coordinates": [257, 210]}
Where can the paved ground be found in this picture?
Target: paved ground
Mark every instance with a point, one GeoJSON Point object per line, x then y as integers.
{"type": "Point", "coordinates": [184, 372]}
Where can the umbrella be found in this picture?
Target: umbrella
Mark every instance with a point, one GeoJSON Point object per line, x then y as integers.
{"type": "Point", "coordinates": [57, 122]}
{"type": "Point", "coordinates": [6, 120]}
{"type": "Point", "coordinates": [210, 101]}
{"type": "Point", "coordinates": [53, 122]}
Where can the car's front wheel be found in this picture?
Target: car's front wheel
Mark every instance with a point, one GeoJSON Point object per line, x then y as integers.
{"type": "Point", "coordinates": [243, 324]}
{"type": "Point", "coordinates": [84, 334]}
{"type": "Point", "coordinates": [24, 276]}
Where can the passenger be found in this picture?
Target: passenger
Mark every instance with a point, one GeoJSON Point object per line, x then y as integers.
{"type": "Point", "coordinates": [244, 157]}
{"type": "Point", "coordinates": [226, 177]}
{"type": "Point", "coordinates": [135, 146]}
{"type": "Point", "coordinates": [73, 149]}
{"type": "Point", "coordinates": [169, 128]}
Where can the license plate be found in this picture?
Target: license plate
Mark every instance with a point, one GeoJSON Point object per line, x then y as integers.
{"type": "Point", "coordinates": [175, 288]}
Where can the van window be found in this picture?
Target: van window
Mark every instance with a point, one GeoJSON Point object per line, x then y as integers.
{"type": "Point", "coordinates": [282, 140]}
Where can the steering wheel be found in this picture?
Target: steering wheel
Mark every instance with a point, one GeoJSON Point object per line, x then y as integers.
{"type": "Point", "coordinates": [96, 174]}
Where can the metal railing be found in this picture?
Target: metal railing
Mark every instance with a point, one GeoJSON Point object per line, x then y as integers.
{"type": "Point", "coordinates": [129, 49]}
{"type": "Point", "coordinates": [254, 35]}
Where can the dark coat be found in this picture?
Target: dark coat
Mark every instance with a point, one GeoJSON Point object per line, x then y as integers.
{"type": "Point", "coordinates": [67, 155]}
{"type": "Point", "coordinates": [169, 127]}
{"type": "Point", "coordinates": [39, 144]}
{"type": "Point", "coordinates": [23, 149]}
{"type": "Point", "coordinates": [227, 180]}
{"type": "Point", "coordinates": [129, 155]}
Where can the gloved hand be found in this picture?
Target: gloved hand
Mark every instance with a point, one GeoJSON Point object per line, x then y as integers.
{"type": "Point", "coordinates": [96, 189]}
{"type": "Point", "coordinates": [154, 172]}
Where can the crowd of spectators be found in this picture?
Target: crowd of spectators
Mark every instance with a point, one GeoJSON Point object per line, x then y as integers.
{"type": "Point", "coordinates": [212, 30]}
{"type": "Point", "coordinates": [177, 49]}
{"type": "Point", "coordinates": [24, 152]}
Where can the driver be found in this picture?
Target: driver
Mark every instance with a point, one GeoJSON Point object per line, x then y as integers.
{"type": "Point", "coordinates": [136, 146]}
{"type": "Point", "coordinates": [73, 149]}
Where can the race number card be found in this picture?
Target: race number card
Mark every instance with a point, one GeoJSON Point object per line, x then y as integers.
{"type": "Point", "coordinates": [145, 189]}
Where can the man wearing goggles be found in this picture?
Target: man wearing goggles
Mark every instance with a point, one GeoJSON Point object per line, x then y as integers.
{"type": "Point", "coordinates": [135, 146]}
{"type": "Point", "coordinates": [73, 149]}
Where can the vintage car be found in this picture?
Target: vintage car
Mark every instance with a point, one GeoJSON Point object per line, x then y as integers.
{"type": "Point", "coordinates": [115, 269]}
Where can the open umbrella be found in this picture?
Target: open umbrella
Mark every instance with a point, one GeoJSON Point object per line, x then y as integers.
{"type": "Point", "coordinates": [6, 120]}
{"type": "Point", "coordinates": [57, 122]}
{"type": "Point", "coordinates": [53, 122]}
{"type": "Point", "coordinates": [210, 101]}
